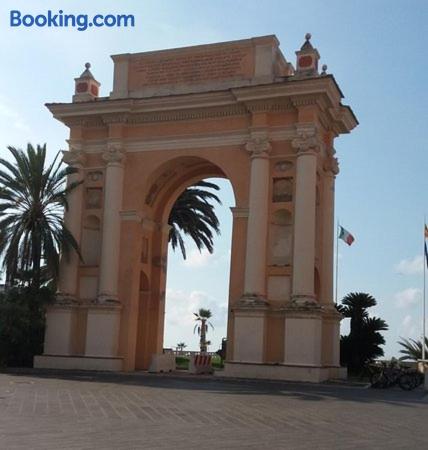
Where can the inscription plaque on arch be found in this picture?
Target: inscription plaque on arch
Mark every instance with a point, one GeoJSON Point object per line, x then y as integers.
{"type": "Point", "coordinates": [218, 64]}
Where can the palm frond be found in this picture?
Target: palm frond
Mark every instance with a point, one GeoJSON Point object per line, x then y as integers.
{"type": "Point", "coordinates": [193, 215]}
{"type": "Point", "coordinates": [33, 196]}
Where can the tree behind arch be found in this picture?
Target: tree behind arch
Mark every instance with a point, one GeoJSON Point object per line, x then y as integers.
{"type": "Point", "coordinates": [202, 321]}
{"type": "Point", "coordinates": [363, 344]}
{"type": "Point", "coordinates": [193, 215]}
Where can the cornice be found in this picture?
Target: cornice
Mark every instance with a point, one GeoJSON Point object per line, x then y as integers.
{"type": "Point", "coordinates": [177, 115]}
{"type": "Point", "coordinates": [269, 105]}
{"type": "Point", "coordinates": [342, 119]}
{"type": "Point", "coordinates": [107, 119]}
{"type": "Point", "coordinates": [281, 96]}
{"type": "Point", "coordinates": [292, 89]}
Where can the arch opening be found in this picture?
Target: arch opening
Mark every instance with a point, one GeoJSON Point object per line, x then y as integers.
{"type": "Point", "coordinates": [176, 288]}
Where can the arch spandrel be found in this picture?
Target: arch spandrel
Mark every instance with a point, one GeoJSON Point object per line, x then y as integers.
{"type": "Point", "coordinates": [153, 178]}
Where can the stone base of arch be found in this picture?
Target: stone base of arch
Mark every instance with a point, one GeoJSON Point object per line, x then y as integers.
{"type": "Point", "coordinates": [63, 362]}
{"type": "Point", "coordinates": [283, 372]}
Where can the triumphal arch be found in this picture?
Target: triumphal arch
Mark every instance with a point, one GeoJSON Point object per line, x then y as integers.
{"type": "Point", "coordinates": [238, 110]}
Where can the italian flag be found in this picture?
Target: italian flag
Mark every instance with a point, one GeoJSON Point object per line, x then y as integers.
{"type": "Point", "coordinates": [346, 236]}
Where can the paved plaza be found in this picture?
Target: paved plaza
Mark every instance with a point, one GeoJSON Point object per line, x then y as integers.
{"type": "Point", "coordinates": [42, 410]}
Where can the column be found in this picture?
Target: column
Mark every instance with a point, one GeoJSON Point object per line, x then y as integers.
{"type": "Point", "coordinates": [103, 321]}
{"type": "Point", "coordinates": [327, 263]}
{"type": "Point", "coordinates": [303, 321]}
{"type": "Point", "coordinates": [250, 312]}
{"type": "Point", "coordinates": [331, 318]}
{"type": "Point", "coordinates": [257, 230]}
{"type": "Point", "coordinates": [113, 188]}
{"type": "Point", "coordinates": [61, 316]}
{"type": "Point", "coordinates": [306, 145]}
{"type": "Point", "coordinates": [69, 265]}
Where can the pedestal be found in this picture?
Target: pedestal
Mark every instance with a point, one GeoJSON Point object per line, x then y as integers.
{"type": "Point", "coordinates": [331, 338]}
{"type": "Point", "coordinates": [302, 345]}
{"type": "Point", "coordinates": [102, 331]}
{"type": "Point", "coordinates": [249, 332]}
{"type": "Point", "coordinates": [60, 326]}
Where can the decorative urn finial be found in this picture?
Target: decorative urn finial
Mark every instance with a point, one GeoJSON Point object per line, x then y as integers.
{"type": "Point", "coordinates": [86, 86]}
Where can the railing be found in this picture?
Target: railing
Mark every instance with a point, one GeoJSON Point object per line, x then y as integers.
{"type": "Point", "coordinates": [186, 352]}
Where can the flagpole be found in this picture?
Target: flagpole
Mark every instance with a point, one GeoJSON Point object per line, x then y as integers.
{"type": "Point", "coordinates": [424, 297]}
{"type": "Point", "coordinates": [337, 261]}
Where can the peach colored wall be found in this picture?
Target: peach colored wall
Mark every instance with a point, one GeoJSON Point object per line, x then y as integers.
{"type": "Point", "coordinates": [142, 314]}
{"type": "Point", "coordinates": [253, 125]}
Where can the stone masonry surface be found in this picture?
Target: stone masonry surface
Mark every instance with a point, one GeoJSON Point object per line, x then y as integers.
{"type": "Point", "coordinates": [60, 410]}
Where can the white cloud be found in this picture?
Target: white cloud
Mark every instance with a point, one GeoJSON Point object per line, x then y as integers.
{"type": "Point", "coordinates": [182, 305]}
{"type": "Point", "coordinates": [408, 328]}
{"type": "Point", "coordinates": [410, 266]}
{"type": "Point", "coordinates": [180, 320]}
{"type": "Point", "coordinates": [408, 297]}
{"type": "Point", "coordinates": [198, 259]}
{"type": "Point", "coordinates": [11, 117]}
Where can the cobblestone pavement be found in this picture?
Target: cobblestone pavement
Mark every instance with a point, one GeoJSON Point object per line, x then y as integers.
{"type": "Point", "coordinates": [139, 411]}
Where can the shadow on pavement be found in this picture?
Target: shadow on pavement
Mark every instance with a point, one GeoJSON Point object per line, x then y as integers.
{"type": "Point", "coordinates": [346, 391]}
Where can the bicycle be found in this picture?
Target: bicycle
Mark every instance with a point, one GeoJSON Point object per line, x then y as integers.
{"type": "Point", "coordinates": [386, 376]}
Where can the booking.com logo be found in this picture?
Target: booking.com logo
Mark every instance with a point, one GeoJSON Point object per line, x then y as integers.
{"type": "Point", "coordinates": [79, 21]}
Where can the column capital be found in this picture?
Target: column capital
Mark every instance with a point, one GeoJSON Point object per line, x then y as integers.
{"type": "Point", "coordinates": [74, 157]}
{"type": "Point", "coordinates": [306, 140]}
{"type": "Point", "coordinates": [331, 166]}
{"type": "Point", "coordinates": [114, 154]}
{"type": "Point", "coordinates": [258, 146]}
{"type": "Point", "coordinates": [238, 212]}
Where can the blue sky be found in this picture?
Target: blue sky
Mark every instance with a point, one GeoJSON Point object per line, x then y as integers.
{"type": "Point", "coordinates": [377, 52]}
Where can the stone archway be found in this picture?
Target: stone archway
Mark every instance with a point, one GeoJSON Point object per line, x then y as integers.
{"type": "Point", "coordinates": [237, 110]}
{"type": "Point", "coordinates": [167, 182]}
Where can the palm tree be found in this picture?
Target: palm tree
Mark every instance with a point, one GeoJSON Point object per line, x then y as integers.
{"type": "Point", "coordinates": [181, 346]}
{"type": "Point", "coordinates": [202, 319]}
{"type": "Point", "coordinates": [355, 306]}
{"type": "Point", "coordinates": [412, 349]}
{"type": "Point", "coordinates": [193, 215]}
{"type": "Point", "coordinates": [32, 200]}
{"type": "Point", "coordinates": [363, 344]}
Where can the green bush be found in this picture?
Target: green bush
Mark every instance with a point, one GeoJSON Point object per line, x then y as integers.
{"type": "Point", "coordinates": [22, 324]}
{"type": "Point", "coordinates": [182, 362]}
{"type": "Point", "coordinates": [217, 362]}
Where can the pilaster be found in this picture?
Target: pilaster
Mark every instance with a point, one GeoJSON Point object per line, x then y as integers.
{"type": "Point", "coordinates": [259, 147]}
{"type": "Point", "coordinates": [331, 169]}
{"type": "Point", "coordinates": [69, 264]}
{"type": "Point", "coordinates": [109, 269]}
